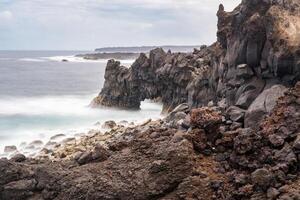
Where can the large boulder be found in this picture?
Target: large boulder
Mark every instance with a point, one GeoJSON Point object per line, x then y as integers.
{"type": "Point", "coordinates": [263, 105]}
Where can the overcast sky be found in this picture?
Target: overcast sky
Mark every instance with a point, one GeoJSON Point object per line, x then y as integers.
{"type": "Point", "coordinates": [88, 24]}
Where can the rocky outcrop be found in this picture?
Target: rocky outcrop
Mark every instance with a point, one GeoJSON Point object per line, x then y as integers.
{"type": "Point", "coordinates": [150, 161]}
{"type": "Point", "coordinates": [258, 47]}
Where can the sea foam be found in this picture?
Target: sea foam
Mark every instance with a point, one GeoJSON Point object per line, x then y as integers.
{"type": "Point", "coordinates": [39, 118]}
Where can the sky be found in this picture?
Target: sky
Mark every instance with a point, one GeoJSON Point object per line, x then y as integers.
{"type": "Point", "coordinates": [89, 24]}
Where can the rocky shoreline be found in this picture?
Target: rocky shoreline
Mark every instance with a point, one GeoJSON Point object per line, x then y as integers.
{"type": "Point", "coordinates": [40, 149]}
{"type": "Point", "coordinates": [232, 129]}
{"type": "Point", "coordinates": [199, 153]}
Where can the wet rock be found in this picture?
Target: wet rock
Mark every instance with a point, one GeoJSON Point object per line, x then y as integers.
{"type": "Point", "coordinates": [123, 122]}
{"type": "Point", "coordinates": [23, 144]}
{"type": "Point", "coordinates": [36, 143]}
{"type": "Point", "coordinates": [57, 137]}
{"type": "Point", "coordinates": [46, 151]}
{"type": "Point", "coordinates": [10, 149]}
{"type": "Point", "coordinates": [97, 124]}
{"type": "Point", "coordinates": [69, 140]}
{"type": "Point", "coordinates": [109, 124]}
{"type": "Point", "coordinates": [18, 158]}
{"type": "Point", "coordinates": [51, 144]}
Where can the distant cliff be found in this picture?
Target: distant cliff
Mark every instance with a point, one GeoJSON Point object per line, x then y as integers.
{"type": "Point", "coordinates": [146, 49]}
{"type": "Point", "coordinates": [115, 55]}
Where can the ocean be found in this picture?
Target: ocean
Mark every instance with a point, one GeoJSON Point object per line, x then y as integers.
{"type": "Point", "coordinates": [41, 96]}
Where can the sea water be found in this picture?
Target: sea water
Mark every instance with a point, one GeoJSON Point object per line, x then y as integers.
{"type": "Point", "coordinates": [41, 96]}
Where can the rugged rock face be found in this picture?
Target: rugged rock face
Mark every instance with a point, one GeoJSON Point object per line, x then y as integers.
{"type": "Point", "coordinates": [258, 47]}
{"type": "Point", "coordinates": [206, 157]}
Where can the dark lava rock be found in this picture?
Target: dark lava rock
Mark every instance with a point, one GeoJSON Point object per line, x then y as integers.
{"type": "Point", "coordinates": [10, 149]}
{"type": "Point", "coordinates": [262, 177]}
{"type": "Point", "coordinates": [18, 158]}
{"type": "Point", "coordinates": [109, 124]}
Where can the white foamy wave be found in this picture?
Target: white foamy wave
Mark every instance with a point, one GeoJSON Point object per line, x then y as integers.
{"type": "Point", "coordinates": [82, 60]}
{"type": "Point", "coordinates": [64, 105]}
{"type": "Point", "coordinates": [39, 118]}
{"type": "Point", "coordinates": [67, 59]}
{"type": "Point", "coordinates": [32, 59]}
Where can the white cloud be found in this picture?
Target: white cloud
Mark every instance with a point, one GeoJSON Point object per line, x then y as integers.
{"type": "Point", "coordinates": [6, 15]}
{"type": "Point", "coordinates": [88, 24]}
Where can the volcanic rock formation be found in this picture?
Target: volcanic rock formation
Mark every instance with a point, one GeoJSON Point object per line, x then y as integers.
{"type": "Point", "coordinates": [257, 55]}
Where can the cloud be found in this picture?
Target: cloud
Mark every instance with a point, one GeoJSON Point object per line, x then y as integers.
{"type": "Point", "coordinates": [88, 24]}
{"type": "Point", "coordinates": [6, 15]}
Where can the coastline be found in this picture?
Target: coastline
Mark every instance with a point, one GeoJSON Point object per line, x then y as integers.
{"type": "Point", "coordinates": [198, 153]}
{"type": "Point", "coordinates": [231, 130]}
